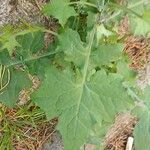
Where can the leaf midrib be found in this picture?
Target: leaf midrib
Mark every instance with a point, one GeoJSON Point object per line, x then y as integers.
{"type": "Point", "coordinates": [85, 70]}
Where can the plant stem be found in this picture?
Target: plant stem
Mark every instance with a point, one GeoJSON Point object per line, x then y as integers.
{"type": "Point", "coordinates": [32, 58]}
{"type": "Point", "coordinates": [83, 3]}
{"type": "Point", "coordinates": [125, 9]}
{"type": "Point", "coordinates": [138, 3]}
{"type": "Point", "coordinates": [130, 7]}
{"type": "Point", "coordinates": [85, 69]}
{"type": "Point", "coordinates": [26, 31]}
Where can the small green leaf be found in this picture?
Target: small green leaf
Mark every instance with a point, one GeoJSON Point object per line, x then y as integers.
{"type": "Point", "coordinates": [59, 9]}
{"type": "Point", "coordinates": [125, 71]}
{"type": "Point", "coordinates": [137, 6]}
{"type": "Point", "coordinates": [105, 54]}
{"type": "Point", "coordinates": [9, 42]}
{"type": "Point", "coordinates": [71, 44]}
{"type": "Point", "coordinates": [141, 25]}
{"type": "Point", "coordinates": [102, 31]}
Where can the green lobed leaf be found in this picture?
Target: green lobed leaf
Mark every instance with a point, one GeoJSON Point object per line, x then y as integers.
{"type": "Point", "coordinates": [8, 37]}
{"type": "Point", "coordinates": [18, 81]}
{"type": "Point", "coordinates": [78, 99]}
{"type": "Point", "coordinates": [101, 97]}
{"type": "Point", "coordinates": [29, 43]}
{"type": "Point", "coordinates": [59, 9]}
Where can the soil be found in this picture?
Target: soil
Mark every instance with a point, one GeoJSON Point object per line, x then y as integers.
{"type": "Point", "coordinates": [13, 11]}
